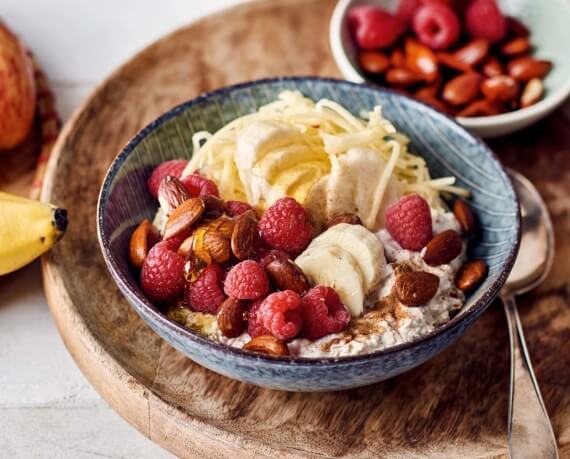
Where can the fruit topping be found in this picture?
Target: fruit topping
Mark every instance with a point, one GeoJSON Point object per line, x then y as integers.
{"type": "Point", "coordinates": [246, 281]}
{"type": "Point", "coordinates": [470, 275]}
{"type": "Point", "coordinates": [437, 25]}
{"type": "Point", "coordinates": [255, 325]}
{"type": "Point", "coordinates": [245, 239]}
{"type": "Point", "coordinates": [407, 9]}
{"type": "Point", "coordinates": [205, 293]}
{"type": "Point", "coordinates": [230, 317]}
{"type": "Point", "coordinates": [173, 168]}
{"type": "Point", "coordinates": [142, 240]}
{"type": "Point", "coordinates": [374, 27]}
{"type": "Point", "coordinates": [409, 222]}
{"type": "Point", "coordinates": [483, 19]}
{"type": "Point", "coordinates": [443, 248]}
{"type": "Point", "coordinates": [323, 313]}
{"type": "Point", "coordinates": [280, 313]}
{"type": "Point", "coordinates": [286, 275]}
{"type": "Point", "coordinates": [235, 208]}
{"type": "Point", "coordinates": [162, 274]}
{"type": "Point", "coordinates": [198, 185]}
{"type": "Point", "coordinates": [285, 226]}
{"type": "Point", "coordinates": [267, 344]}
{"type": "Point", "coordinates": [171, 193]}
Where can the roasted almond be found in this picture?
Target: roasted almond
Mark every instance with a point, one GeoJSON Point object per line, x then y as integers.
{"type": "Point", "coordinates": [218, 246]}
{"type": "Point", "coordinates": [397, 58]}
{"type": "Point", "coordinates": [515, 47]}
{"type": "Point", "coordinates": [142, 240]}
{"type": "Point", "coordinates": [449, 60]}
{"type": "Point", "coordinates": [351, 219]}
{"type": "Point", "coordinates": [473, 53]}
{"type": "Point", "coordinates": [230, 317]}
{"type": "Point", "coordinates": [286, 275]}
{"type": "Point", "coordinates": [183, 217]}
{"type": "Point", "coordinates": [500, 89]}
{"type": "Point", "coordinates": [186, 246]}
{"type": "Point", "coordinates": [373, 62]}
{"type": "Point", "coordinates": [416, 288]}
{"type": "Point", "coordinates": [492, 67]}
{"type": "Point", "coordinates": [462, 89]}
{"type": "Point", "coordinates": [402, 77]}
{"type": "Point", "coordinates": [464, 215]}
{"type": "Point", "coordinates": [470, 275]}
{"type": "Point", "coordinates": [526, 68]}
{"type": "Point", "coordinates": [422, 60]}
{"type": "Point", "coordinates": [443, 248]}
{"type": "Point", "coordinates": [171, 193]}
{"type": "Point", "coordinates": [245, 240]}
{"type": "Point", "coordinates": [481, 107]}
{"type": "Point", "coordinates": [267, 344]}
{"type": "Point", "coordinates": [532, 92]}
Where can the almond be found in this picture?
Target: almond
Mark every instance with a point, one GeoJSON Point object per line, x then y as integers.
{"type": "Point", "coordinates": [443, 248]}
{"type": "Point", "coordinates": [351, 219]}
{"type": "Point", "coordinates": [501, 88]}
{"type": "Point", "coordinates": [286, 275]}
{"type": "Point", "coordinates": [481, 107]}
{"type": "Point", "coordinates": [183, 217]}
{"type": "Point", "coordinates": [492, 67]}
{"type": "Point", "coordinates": [230, 317]}
{"type": "Point", "coordinates": [519, 45]}
{"type": "Point", "coordinates": [473, 53]}
{"type": "Point", "coordinates": [450, 61]}
{"type": "Point", "coordinates": [464, 215]}
{"type": "Point", "coordinates": [142, 240]}
{"type": "Point", "coordinates": [267, 344]}
{"type": "Point", "coordinates": [402, 77]}
{"type": "Point", "coordinates": [462, 89]}
{"type": "Point", "coordinates": [171, 193]}
{"type": "Point", "coordinates": [214, 206]}
{"type": "Point", "coordinates": [245, 236]}
{"type": "Point", "coordinates": [470, 275]}
{"type": "Point", "coordinates": [532, 92]}
{"type": "Point", "coordinates": [416, 288]}
{"type": "Point", "coordinates": [526, 68]}
{"type": "Point", "coordinates": [420, 59]}
{"type": "Point", "coordinates": [397, 58]}
{"type": "Point", "coordinates": [373, 62]}
{"type": "Point", "coordinates": [218, 246]}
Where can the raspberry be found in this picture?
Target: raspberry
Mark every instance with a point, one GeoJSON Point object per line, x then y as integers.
{"type": "Point", "coordinates": [267, 256]}
{"type": "Point", "coordinates": [162, 274]}
{"type": "Point", "coordinates": [483, 19]}
{"type": "Point", "coordinates": [198, 185]}
{"type": "Point", "coordinates": [255, 325]}
{"type": "Point", "coordinates": [285, 226]}
{"type": "Point", "coordinates": [409, 222]}
{"type": "Point", "coordinates": [437, 25]}
{"type": "Point", "coordinates": [205, 293]}
{"type": "Point", "coordinates": [323, 312]}
{"type": "Point", "coordinates": [235, 208]}
{"type": "Point", "coordinates": [374, 27]}
{"type": "Point", "coordinates": [174, 168]}
{"type": "Point", "coordinates": [280, 313]}
{"type": "Point", "coordinates": [246, 281]}
{"type": "Point", "coordinates": [407, 9]}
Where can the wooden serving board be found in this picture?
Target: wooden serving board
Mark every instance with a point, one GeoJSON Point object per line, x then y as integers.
{"type": "Point", "coordinates": [453, 406]}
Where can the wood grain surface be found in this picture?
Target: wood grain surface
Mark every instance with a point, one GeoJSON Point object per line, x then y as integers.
{"type": "Point", "coordinates": [453, 406]}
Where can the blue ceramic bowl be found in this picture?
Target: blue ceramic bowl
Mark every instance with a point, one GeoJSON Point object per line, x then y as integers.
{"type": "Point", "coordinates": [448, 150]}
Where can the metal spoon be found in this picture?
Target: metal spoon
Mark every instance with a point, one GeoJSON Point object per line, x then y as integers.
{"type": "Point", "coordinates": [529, 429]}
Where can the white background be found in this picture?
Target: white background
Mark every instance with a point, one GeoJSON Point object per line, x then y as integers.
{"type": "Point", "coordinates": [47, 407]}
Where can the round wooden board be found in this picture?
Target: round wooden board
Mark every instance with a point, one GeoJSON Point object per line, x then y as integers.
{"type": "Point", "coordinates": [453, 406]}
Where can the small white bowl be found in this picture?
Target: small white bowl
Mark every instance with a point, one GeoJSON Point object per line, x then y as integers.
{"type": "Point", "coordinates": [549, 23]}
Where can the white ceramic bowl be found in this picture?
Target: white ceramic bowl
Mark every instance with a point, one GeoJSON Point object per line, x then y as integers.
{"type": "Point", "coordinates": [549, 23]}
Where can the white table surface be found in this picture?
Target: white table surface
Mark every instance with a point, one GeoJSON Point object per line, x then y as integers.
{"type": "Point", "coordinates": [47, 407]}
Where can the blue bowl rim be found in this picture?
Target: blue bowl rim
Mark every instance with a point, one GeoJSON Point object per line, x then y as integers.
{"type": "Point", "coordinates": [199, 340]}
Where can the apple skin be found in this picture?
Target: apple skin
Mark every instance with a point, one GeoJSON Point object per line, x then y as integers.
{"type": "Point", "coordinates": [17, 90]}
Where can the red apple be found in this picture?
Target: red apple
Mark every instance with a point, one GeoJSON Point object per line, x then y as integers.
{"type": "Point", "coordinates": [17, 90]}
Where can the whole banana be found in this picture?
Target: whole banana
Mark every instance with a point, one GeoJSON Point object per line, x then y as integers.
{"type": "Point", "coordinates": [27, 230]}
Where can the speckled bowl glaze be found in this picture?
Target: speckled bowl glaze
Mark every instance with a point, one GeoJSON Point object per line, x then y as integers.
{"type": "Point", "coordinates": [448, 149]}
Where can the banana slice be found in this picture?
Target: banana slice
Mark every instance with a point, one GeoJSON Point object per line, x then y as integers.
{"type": "Point", "coordinates": [364, 247]}
{"type": "Point", "coordinates": [337, 268]}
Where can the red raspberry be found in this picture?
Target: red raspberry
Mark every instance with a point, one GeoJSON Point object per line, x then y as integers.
{"type": "Point", "coordinates": [162, 274]}
{"type": "Point", "coordinates": [267, 256]}
{"type": "Point", "coordinates": [323, 312]}
{"type": "Point", "coordinates": [407, 9]}
{"type": "Point", "coordinates": [483, 19]}
{"type": "Point", "coordinates": [285, 226]}
{"type": "Point", "coordinates": [235, 208]}
{"type": "Point", "coordinates": [255, 325]}
{"type": "Point", "coordinates": [174, 168]}
{"type": "Point", "coordinates": [409, 222]}
{"type": "Point", "coordinates": [280, 313]}
{"type": "Point", "coordinates": [374, 27]}
{"type": "Point", "coordinates": [246, 281]}
{"type": "Point", "coordinates": [205, 293]}
{"type": "Point", "coordinates": [437, 25]}
{"type": "Point", "coordinates": [198, 185]}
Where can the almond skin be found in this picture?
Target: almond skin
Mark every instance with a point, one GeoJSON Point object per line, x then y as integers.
{"type": "Point", "coordinates": [142, 240]}
{"type": "Point", "coordinates": [519, 45]}
{"type": "Point", "coordinates": [526, 68]}
{"type": "Point", "coordinates": [416, 288]}
{"type": "Point", "coordinates": [501, 88]}
{"type": "Point", "coordinates": [183, 217]}
{"type": "Point", "coordinates": [462, 89]}
{"type": "Point", "coordinates": [267, 344]}
{"type": "Point", "coordinates": [351, 219]}
{"type": "Point", "coordinates": [470, 275]}
{"type": "Point", "coordinates": [402, 77]}
{"type": "Point", "coordinates": [171, 193]}
{"type": "Point", "coordinates": [218, 246]}
{"type": "Point", "coordinates": [230, 317]}
{"type": "Point", "coordinates": [464, 215]}
{"type": "Point", "coordinates": [532, 92]}
{"type": "Point", "coordinates": [245, 239]}
{"type": "Point", "coordinates": [286, 275]}
{"type": "Point", "coordinates": [397, 59]}
{"type": "Point", "coordinates": [443, 248]}
{"type": "Point", "coordinates": [422, 60]}
{"type": "Point", "coordinates": [480, 107]}
{"type": "Point", "coordinates": [473, 53]}
{"type": "Point", "coordinates": [373, 62]}
{"type": "Point", "coordinates": [450, 61]}
{"type": "Point", "coordinates": [492, 67]}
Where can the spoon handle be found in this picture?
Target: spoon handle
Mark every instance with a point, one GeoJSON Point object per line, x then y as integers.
{"type": "Point", "coordinates": [529, 429]}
